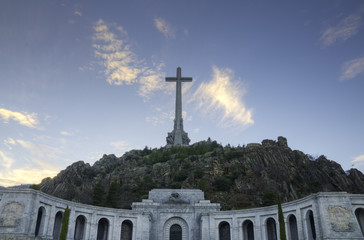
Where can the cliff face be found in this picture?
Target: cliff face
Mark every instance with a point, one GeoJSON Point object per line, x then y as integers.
{"type": "Point", "coordinates": [236, 177]}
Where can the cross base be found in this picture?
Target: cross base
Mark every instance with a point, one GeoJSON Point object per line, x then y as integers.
{"type": "Point", "coordinates": [177, 138]}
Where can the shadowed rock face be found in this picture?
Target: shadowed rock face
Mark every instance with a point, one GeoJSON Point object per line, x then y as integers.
{"type": "Point", "coordinates": [236, 177]}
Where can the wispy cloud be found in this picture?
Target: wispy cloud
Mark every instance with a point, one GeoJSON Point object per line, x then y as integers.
{"type": "Point", "coordinates": [40, 151]}
{"type": "Point", "coordinates": [122, 65]}
{"type": "Point", "coordinates": [119, 61]}
{"type": "Point", "coordinates": [223, 97]}
{"type": "Point", "coordinates": [359, 160]}
{"type": "Point", "coordinates": [6, 162]}
{"type": "Point", "coordinates": [78, 13]}
{"type": "Point", "coordinates": [160, 117]}
{"type": "Point", "coordinates": [24, 118]}
{"type": "Point", "coordinates": [65, 133]}
{"type": "Point", "coordinates": [25, 175]}
{"type": "Point", "coordinates": [120, 145]}
{"type": "Point", "coordinates": [32, 172]}
{"type": "Point", "coordinates": [8, 142]}
{"type": "Point", "coordinates": [38, 161]}
{"type": "Point", "coordinates": [352, 69]}
{"type": "Point", "coordinates": [345, 29]}
{"type": "Point", "coordinates": [152, 80]}
{"type": "Point", "coordinates": [164, 27]}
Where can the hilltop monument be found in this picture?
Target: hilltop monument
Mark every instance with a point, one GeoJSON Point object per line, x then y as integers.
{"type": "Point", "coordinates": [178, 137]}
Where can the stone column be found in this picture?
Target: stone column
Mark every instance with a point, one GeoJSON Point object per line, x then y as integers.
{"type": "Point", "coordinates": [142, 228]}
{"type": "Point", "coordinates": [300, 228]}
{"type": "Point", "coordinates": [50, 221]}
{"type": "Point", "coordinates": [204, 226]}
{"type": "Point", "coordinates": [93, 227]}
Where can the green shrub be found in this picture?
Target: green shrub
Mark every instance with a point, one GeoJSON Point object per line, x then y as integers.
{"type": "Point", "coordinates": [222, 184]}
{"type": "Point", "coordinates": [145, 185]}
{"type": "Point", "coordinates": [202, 184]}
{"type": "Point", "coordinates": [35, 186]}
{"type": "Point", "coordinates": [269, 199]}
{"type": "Point", "coordinates": [181, 175]}
{"type": "Point", "coordinates": [175, 185]}
{"type": "Point", "coordinates": [198, 173]}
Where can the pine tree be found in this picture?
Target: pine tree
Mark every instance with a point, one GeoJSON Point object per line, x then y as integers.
{"type": "Point", "coordinates": [112, 196]}
{"type": "Point", "coordinates": [98, 195]}
{"type": "Point", "coordinates": [282, 229]}
{"type": "Point", "coordinates": [65, 219]}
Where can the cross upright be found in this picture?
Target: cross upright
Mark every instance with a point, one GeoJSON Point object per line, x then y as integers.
{"type": "Point", "coordinates": [178, 136]}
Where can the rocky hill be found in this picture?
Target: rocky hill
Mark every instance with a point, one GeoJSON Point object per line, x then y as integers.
{"type": "Point", "coordinates": [237, 177]}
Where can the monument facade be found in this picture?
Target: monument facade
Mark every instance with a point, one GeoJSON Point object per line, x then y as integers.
{"type": "Point", "coordinates": [180, 214]}
{"type": "Point", "coordinates": [178, 137]}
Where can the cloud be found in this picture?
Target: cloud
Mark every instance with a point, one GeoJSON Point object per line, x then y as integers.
{"type": "Point", "coordinates": [6, 162]}
{"type": "Point", "coordinates": [65, 133]}
{"type": "Point", "coordinates": [160, 118]}
{"type": "Point", "coordinates": [346, 28]}
{"type": "Point", "coordinates": [8, 142]}
{"type": "Point", "coordinates": [32, 173]}
{"type": "Point", "coordinates": [223, 97]}
{"type": "Point", "coordinates": [122, 66]}
{"type": "Point", "coordinates": [359, 160]}
{"type": "Point", "coordinates": [196, 130]}
{"type": "Point", "coordinates": [78, 13]}
{"type": "Point", "coordinates": [352, 69]}
{"type": "Point", "coordinates": [164, 27]}
{"type": "Point", "coordinates": [120, 145]}
{"type": "Point", "coordinates": [119, 61]}
{"type": "Point", "coordinates": [25, 119]}
{"type": "Point", "coordinates": [25, 175]}
{"type": "Point", "coordinates": [152, 80]}
{"type": "Point", "coordinates": [38, 161]}
{"type": "Point", "coordinates": [40, 151]}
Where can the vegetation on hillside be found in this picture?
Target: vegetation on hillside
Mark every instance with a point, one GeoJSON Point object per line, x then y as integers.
{"type": "Point", "coordinates": [237, 177]}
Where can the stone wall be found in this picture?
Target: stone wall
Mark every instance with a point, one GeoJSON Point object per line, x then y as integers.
{"type": "Point", "coordinates": [28, 214]}
{"type": "Point", "coordinates": [318, 216]}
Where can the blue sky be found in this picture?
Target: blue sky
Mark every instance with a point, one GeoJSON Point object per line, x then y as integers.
{"type": "Point", "coordinates": [80, 79]}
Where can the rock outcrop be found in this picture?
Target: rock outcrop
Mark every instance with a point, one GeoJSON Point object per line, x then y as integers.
{"type": "Point", "coordinates": [236, 177]}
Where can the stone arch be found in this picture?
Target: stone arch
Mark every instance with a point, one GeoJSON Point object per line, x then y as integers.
{"type": "Point", "coordinates": [292, 227]}
{"type": "Point", "coordinates": [248, 230]}
{"type": "Point", "coordinates": [224, 231]}
{"type": "Point", "coordinates": [103, 229]}
{"type": "Point", "coordinates": [126, 230]}
{"type": "Point", "coordinates": [359, 213]}
{"type": "Point", "coordinates": [80, 227]}
{"type": "Point", "coordinates": [57, 225]}
{"type": "Point", "coordinates": [310, 224]}
{"type": "Point", "coordinates": [178, 221]}
{"type": "Point", "coordinates": [39, 227]}
{"type": "Point", "coordinates": [271, 229]}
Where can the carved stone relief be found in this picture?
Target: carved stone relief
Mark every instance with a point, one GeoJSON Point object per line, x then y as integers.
{"type": "Point", "coordinates": [339, 218]}
{"type": "Point", "coordinates": [11, 214]}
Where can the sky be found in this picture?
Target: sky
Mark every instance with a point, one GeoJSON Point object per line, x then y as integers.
{"type": "Point", "coordinates": [79, 79]}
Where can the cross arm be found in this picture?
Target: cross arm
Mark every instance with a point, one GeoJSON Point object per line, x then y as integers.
{"type": "Point", "coordinates": [186, 79]}
{"type": "Point", "coordinates": [174, 79]}
{"type": "Point", "coordinates": [171, 79]}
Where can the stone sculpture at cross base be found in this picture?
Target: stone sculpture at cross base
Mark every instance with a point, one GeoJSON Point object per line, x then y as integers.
{"type": "Point", "coordinates": [178, 137]}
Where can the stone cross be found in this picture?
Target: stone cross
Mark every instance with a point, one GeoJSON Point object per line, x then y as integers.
{"type": "Point", "coordinates": [178, 136]}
